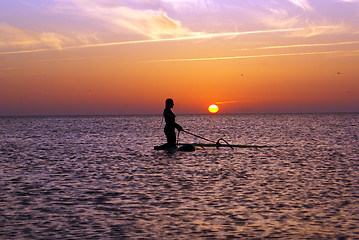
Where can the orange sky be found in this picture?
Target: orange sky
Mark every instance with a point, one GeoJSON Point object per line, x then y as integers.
{"type": "Point", "coordinates": [81, 57]}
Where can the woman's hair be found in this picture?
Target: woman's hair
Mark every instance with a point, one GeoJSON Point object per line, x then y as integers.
{"type": "Point", "coordinates": [169, 101]}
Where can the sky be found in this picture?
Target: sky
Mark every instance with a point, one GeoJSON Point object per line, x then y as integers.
{"type": "Point", "coordinates": [75, 57]}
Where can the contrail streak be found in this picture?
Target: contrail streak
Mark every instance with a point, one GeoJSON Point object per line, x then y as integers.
{"type": "Point", "coordinates": [309, 45]}
{"type": "Point", "coordinates": [28, 51]}
{"type": "Point", "coordinates": [244, 57]}
{"type": "Point", "coordinates": [192, 36]}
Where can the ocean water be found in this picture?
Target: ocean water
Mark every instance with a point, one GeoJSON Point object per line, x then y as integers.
{"type": "Point", "coordinates": [99, 178]}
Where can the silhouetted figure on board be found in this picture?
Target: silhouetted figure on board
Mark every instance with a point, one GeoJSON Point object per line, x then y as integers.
{"type": "Point", "coordinates": [171, 125]}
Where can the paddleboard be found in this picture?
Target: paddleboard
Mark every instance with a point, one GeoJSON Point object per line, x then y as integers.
{"type": "Point", "coordinates": [180, 148]}
{"type": "Point", "coordinates": [192, 147]}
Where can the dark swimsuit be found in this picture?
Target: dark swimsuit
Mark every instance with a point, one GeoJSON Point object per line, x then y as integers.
{"type": "Point", "coordinates": [170, 119]}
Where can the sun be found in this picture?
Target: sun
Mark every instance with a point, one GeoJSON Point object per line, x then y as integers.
{"type": "Point", "coordinates": [213, 108]}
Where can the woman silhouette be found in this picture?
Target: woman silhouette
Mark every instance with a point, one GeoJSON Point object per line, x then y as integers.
{"type": "Point", "coordinates": [171, 125]}
{"type": "Point", "coordinates": [170, 119]}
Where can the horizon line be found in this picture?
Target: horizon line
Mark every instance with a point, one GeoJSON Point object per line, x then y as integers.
{"type": "Point", "coordinates": [159, 114]}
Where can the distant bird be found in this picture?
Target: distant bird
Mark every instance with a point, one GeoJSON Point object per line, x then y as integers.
{"type": "Point", "coordinates": [339, 73]}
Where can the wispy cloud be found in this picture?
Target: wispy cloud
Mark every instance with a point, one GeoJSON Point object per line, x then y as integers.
{"type": "Point", "coordinates": [190, 5]}
{"type": "Point", "coordinates": [280, 19]}
{"type": "Point", "coordinates": [149, 22]}
{"type": "Point", "coordinates": [350, 1]}
{"type": "Point", "coordinates": [11, 37]}
{"type": "Point", "coordinates": [17, 40]}
{"type": "Point", "coordinates": [284, 16]}
{"type": "Point", "coordinates": [302, 4]}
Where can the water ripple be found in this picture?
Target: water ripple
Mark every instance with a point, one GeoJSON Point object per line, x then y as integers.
{"type": "Point", "coordinates": [98, 177]}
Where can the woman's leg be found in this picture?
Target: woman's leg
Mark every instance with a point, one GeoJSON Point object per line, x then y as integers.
{"type": "Point", "coordinates": [171, 138]}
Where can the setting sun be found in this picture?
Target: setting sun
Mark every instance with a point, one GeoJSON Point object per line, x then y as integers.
{"type": "Point", "coordinates": [213, 108]}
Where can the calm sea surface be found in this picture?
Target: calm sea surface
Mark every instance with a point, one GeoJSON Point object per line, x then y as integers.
{"type": "Point", "coordinates": [98, 178]}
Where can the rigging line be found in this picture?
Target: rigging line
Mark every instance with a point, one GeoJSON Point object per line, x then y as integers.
{"type": "Point", "coordinates": [198, 136]}
{"type": "Point", "coordinates": [178, 134]}
{"type": "Point", "coordinates": [218, 144]}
